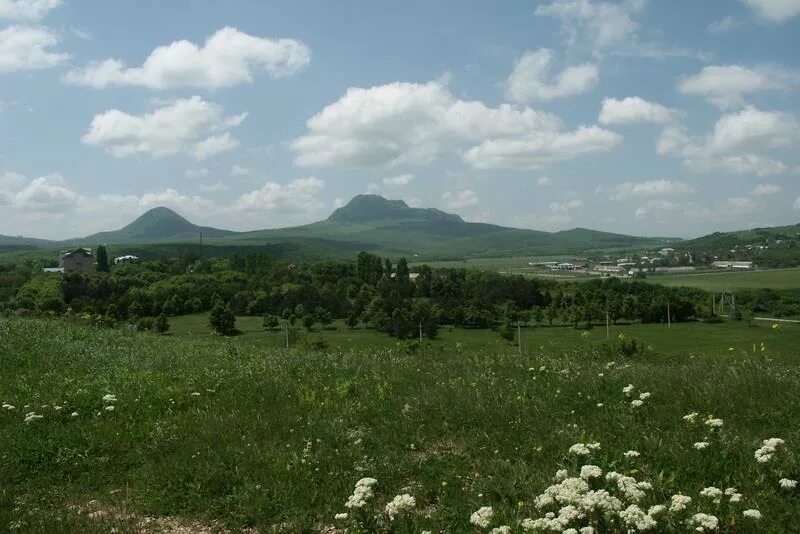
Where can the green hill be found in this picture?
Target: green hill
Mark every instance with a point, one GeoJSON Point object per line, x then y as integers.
{"type": "Point", "coordinates": [158, 224]}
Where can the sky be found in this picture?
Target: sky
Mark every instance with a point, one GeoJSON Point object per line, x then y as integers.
{"type": "Point", "coordinates": [645, 117]}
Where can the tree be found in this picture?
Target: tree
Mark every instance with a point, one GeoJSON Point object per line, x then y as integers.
{"type": "Point", "coordinates": [271, 322]}
{"type": "Point", "coordinates": [102, 259]}
{"type": "Point", "coordinates": [161, 324]}
{"type": "Point", "coordinates": [308, 321]}
{"type": "Point", "coordinates": [222, 319]}
{"type": "Point", "coordinates": [352, 320]}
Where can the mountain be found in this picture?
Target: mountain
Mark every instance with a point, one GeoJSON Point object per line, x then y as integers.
{"type": "Point", "coordinates": [373, 223]}
{"type": "Point", "coordinates": [371, 208]}
{"type": "Point", "coordinates": [158, 224]}
{"type": "Point", "coordinates": [19, 243]}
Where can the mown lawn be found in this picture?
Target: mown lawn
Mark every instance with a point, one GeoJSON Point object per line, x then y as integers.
{"type": "Point", "coordinates": [729, 281]}
{"type": "Point", "coordinates": [210, 433]}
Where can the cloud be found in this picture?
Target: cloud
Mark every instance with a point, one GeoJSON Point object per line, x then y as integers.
{"type": "Point", "coordinates": [544, 181]}
{"type": "Point", "coordinates": [454, 200]}
{"type": "Point", "coordinates": [796, 204]}
{"type": "Point", "coordinates": [726, 85]}
{"type": "Point", "coordinates": [28, 48]}
{"type": "Point", "coordinates": [762, 190]}
{"type": "Point", "coordinates": [540, 149]}
{"type": "Point", "coordinates": [566, 207]}
{"type": "Point", "coordinates": [605, 24]}
{"type": "Point", "coordinates": [193, 126]}
{"type": "Point", "coordinates": [228, 58]}
{"type": "Point", "coordinates": [531, 80]}
{"type": "Point", "coordinates": [731, 144]}
{"type": "Point", "coordinates": [398, 181]}
{"type": "Point", "coordinates": [412, 124]}
{"type": "Point", "coordinates": [297, 196]}
{"type": "Point", "coordinates": [633, 110]}
{"type": "Point", "coordinates": [46, 192]}
{"type": "Point", "coordinates": [29, 10]}
{"type": "Point", "coordinates": [723, 25]}
{"type": "Point", "coordinates": [654, 188]}
{"type": "Point", "coordinates": [238, 170]}
{"type": "Point", "coordinates": [774, 10]}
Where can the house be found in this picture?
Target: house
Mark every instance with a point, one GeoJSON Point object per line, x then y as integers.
{"type": "Point", "coordinates": [126, 259]}
{"type": "Point", "coordinates": [733, 265]}
{"type": "Point", "coordinates": [666, 252]}
{"type": "Point", "coordinates": [78, 260]}
{"type": "Point", "coordinates": [51, 270]}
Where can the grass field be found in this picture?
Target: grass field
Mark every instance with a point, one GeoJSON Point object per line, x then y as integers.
{"type": "Point", "coordinates": [210, 434]}
{"type": "Point", "coordinates": [686, 338]}
{"type": "Point", "coordinates": [725, 280]}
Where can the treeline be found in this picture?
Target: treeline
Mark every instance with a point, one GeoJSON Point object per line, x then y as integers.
{"type": "Point", "coordinates": [370, 291]}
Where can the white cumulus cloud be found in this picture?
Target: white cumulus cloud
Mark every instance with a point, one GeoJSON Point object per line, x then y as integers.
{"type": "Point", "coordinates": [653, 188]}
{"type": "Point", "coordinates": [401, 180]}
{"type": "Point", "coordinates": [544, 181]}
{"type": "Point", "coordinates": [299, 195]}
{"type": "Point", "coordinates": [28, 48]}
{"type": "Point", "coordinates": [29, 10]}
{"type": "Point", "coordinates": [634, 109]}
{"type": "Point", "coordinates": [412, 124]}
{"type": "Point", "coordinates": [604, 24]}
{"type": "Point", "coordinates": [775, 10]}
{"type": "Point", "coordinates": [454, 200]}
{"type": "Point", "coordinates": [228, 58]}
{"type": "Point", "coordinates": [726, 85]}
{"type": "Point", "coordinates": [192, 126]}
{"type": "Point", "coordinates": [531, 78]}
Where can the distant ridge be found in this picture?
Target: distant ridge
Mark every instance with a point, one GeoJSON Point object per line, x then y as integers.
{"type": "Point", "coordinates": [157, 224]}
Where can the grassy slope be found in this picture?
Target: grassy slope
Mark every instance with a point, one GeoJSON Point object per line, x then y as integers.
{"type": "Point", "coordinates": [277, 440]}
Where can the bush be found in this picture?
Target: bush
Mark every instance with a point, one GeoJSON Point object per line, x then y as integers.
{"type": "Point", "coordinates": [161, 324]}
{"type": "Point", "coordinates": [222, 320]}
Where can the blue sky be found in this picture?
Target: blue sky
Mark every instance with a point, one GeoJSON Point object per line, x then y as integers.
{"type": "Point", "coordinates": [645, 117]}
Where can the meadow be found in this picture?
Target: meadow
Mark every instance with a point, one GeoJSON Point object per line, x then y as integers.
{"type": "Point", "coordinates": [112, 430]}
{"type": "Point", "coordinates": [728, 281]}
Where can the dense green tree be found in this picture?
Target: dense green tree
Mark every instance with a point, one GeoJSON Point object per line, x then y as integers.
{"type": "Point", "coordinates": [222, 320]}
{"type": "Point", "coordinates": [102, 259]}
{"type": "Point", "coordinates": [161, 324]}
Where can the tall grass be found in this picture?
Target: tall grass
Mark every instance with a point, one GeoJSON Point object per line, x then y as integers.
{"type": "Point", "coordinates": [237, 437]}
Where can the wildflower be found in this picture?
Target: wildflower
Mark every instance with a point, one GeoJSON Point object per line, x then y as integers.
{"type": "Point", "coordinates": [735, 497]}
{"type": "Point", "coordinates": [714, 423]}
{"type": "Point", "coordinates": [505, 529]}
{"type": "Point", "coordinates": [776, 326]}
{"type": "Point", "coordinates": [31, 417]}
{"type": "Point", "coordinates": [627, 390]}
{"type": "Point", "coordinates": [561, 474]}
{"type": "Point", "coordinates": [700, 445]}
{"type": "Point", "coordinates": [787, 483]}
{"type": "Point", "coordinates": [644, 396]}
{"type": "Point", "coordinates": [7, 406]}
{"type": "Point", "coordinates": [636, 403]}
{"type": "Point", "coordinates": [340, 517]}
{"type": "Point", "coordinates": [599, 404]}
{"type": "Point", "coordinates": [110, 408]}
{"type": "Point", "coordinates": [482, 517]}
{"type": "Point", "coordinates": [74, 414]}
{"type": "Point", "coordinates": [195, 394]}
{"type": "Point", "coordinates": [767, 450]}
{"type": "Point", "coordinates": [583, 449]}
{"type": "Point", "coordinates": [712, 493]}
{"type": "Point", "coordinates": [635, 518]}
{"type": "Point", "coordinates": [691, 417]}
{"type": "Point", "coordinates": [587, 530]}
{"type": "Point", "coordinates": [591, 471]}
{"type": "Point", "coordinates": [398, 505]}
{"type": "Point", "coordinates": [704, 522]}
{"type": "Point", "coordinates": [109, 398]}
{"type": "Point", "coordinates": [679, 503]}
{"type": "Point", "coordinates": [57, 408]}
{"type": "Point", "coordinates": [657, 509]}
{"type": "Point", "coordinates": [752, 514]}
{"type": "Point", "coordinates": [632, 454]}
{"type": "Point", "coordinates": [361, 494]}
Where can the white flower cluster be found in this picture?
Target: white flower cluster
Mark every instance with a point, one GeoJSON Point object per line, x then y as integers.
{"type": "Point", "coordinates": [632, 454]}
{"type": "Point", "coordinates": [787, 483]}
{"type": "Point", "coordinates": [109, 398]}
{"type": "Point", "coordinates": [637, 519]}
{"type": "Point", "coordinates": [768, 449]}
{"type": "Point", "coordinates": [30, 417]}
{"type": "Point", "coordinates": [362, 493]}
{"type": "Point", "coordinates": [690, 417]}
{"type": "Point", "coordinates": [483, 517]}
{"type": "Point", "coordinates": [752, 514]}
{"type": "Point", "coordinates": [628, 390]}
{"type": "Point", "coordinates": [712, 422]}
{"type": "Point", "coordinates": [679, 503]}
{"type": "Point", "coordinates": [505, 529]}
{"type": "Point", "coordinates": [700, 445]}
{"type": "Point", "coordinates": [704, 522]}
{"type": "Point", "coordinates": [715, 494]}
{"type": "Point", "coordinates": [591, 471]}
{"type": "Point", "coordinates": [583, 449]}
{"type": "Point", "coordinates": [7, 406]}
{"type": "Point", "coordinates": [399, 505]}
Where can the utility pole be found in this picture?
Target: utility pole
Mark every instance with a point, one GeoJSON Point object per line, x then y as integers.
{"type": "Point", "coordinates": [713, 303]}
{"type": "Point", "coordinates": [201, 245]}
{"type": "Point", "coordinates": [286, 325]}
{"type": "Point", "coordinates": [669, 318]}
{"type": "Point", "coordinates": [420, 332]}
{"type": "Point", "coordinates": [608, 332]}
{"type": "Point", "coordinates": [519, 338]}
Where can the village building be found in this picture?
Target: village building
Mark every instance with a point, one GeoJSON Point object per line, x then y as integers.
{"type": "Point", "coordinates": [733, 265]}
{"type": "Point", "coordinates": [78, 260]}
